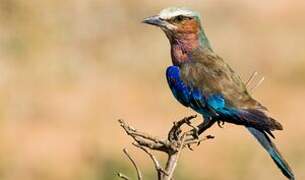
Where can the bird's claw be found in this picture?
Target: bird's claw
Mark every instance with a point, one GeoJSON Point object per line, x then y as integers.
{"type": "Point", "coordinates": [195, 133]}
{"type": "Point", "coordinates": [190, 147]}
{"type": "Point", "coordinates": [220, 123]}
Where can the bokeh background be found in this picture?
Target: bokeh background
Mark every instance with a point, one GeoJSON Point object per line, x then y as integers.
{"type": "Point", "coordinates": [69, 69]}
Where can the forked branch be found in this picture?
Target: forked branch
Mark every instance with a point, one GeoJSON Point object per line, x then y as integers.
{"type": "Point", "coordinates": [172, 146]}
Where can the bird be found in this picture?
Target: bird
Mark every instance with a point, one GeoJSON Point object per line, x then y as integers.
{"type": "Point", "coordinates": [201, 80]}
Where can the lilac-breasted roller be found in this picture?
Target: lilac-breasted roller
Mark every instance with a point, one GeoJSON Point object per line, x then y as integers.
{"type": "Point", "coordinates": [201, 80]}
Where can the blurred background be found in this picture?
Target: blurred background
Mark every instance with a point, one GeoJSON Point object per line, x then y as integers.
{"type": "Point", "coordinates": [70, 69]}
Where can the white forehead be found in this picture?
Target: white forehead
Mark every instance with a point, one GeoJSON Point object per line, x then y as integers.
{"type": "Point", "coordinates": [173, 11]}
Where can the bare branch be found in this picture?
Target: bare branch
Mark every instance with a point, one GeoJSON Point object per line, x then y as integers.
{"type": "Point", "coordinates": [157, 165]}
{"type": "Point", "coordinates": [173, 159]}
{"type": "Point", "coordinates": [172, 145]}
{"type": "Point", "coordinates": [191, 141]}
{"type": "Point", "coordinates": [133, 132]}
{"type": "Point", "coordinates": [144, 139]}
{"type": "Point", "coordinates": [139, 174]}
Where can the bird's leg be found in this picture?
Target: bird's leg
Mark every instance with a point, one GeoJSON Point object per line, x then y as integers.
{"type": "Point", "coordinates": [203, 126]}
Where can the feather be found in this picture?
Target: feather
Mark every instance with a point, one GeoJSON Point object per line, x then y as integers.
{"type": "Point", "coordinates": [268, 145]}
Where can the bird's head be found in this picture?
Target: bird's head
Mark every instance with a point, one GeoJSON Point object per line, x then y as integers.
{"type": "Point", "coordinates": [183, 29]}
{"type": "Point", "coordinates": [176, 21]}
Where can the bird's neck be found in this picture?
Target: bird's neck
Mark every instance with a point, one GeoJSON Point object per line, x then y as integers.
{"type": "Point", "coordinates": [182, 46]}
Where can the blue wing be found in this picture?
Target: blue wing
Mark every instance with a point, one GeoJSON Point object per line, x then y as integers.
{"type": "Point", "coordinates": [192, 97]}
{"type": "Point", "coordinates": [211, 105]}
{"type": "Point", "coordinates": [181, 92]}
{"type": "Point", "coordinates": [186, 95]}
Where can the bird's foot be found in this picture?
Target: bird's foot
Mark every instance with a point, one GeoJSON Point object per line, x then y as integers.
{"type": "Point", "coordinates": [220, 123]}
{"type": "Point", "coordinates": [177, 132]}
{"type": "Point", "coordinates": [195, 131]}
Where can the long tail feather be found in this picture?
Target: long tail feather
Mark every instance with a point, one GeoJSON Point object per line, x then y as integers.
{"type": "Point", "coordinates": [265, 141]}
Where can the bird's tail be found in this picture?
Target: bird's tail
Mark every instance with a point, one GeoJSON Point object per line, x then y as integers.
{"type": "Point", "coordinates": [265, 141]}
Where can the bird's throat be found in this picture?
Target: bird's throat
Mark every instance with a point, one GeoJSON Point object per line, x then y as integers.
{"type": "Point", "coordinates": [182, 46]}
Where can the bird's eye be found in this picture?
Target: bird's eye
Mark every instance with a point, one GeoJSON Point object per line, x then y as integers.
{"type": "Point", "coordinates": [179, 18]}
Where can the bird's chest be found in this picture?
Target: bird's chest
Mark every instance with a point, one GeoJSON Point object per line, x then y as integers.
{"type": "Point", "coordinates": [182, 48]}
{"type": "Point", "coordinates": [179, 56]}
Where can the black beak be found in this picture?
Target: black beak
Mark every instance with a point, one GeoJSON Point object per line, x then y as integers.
{"type": "Point", "coordinates": [154, 20]}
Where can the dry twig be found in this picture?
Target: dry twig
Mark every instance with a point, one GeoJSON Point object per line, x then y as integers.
{"type": "Point", "coordinates": [139, 174]}
{"type": "Point", "coordinates": [172, 146]}
{"type": "Point", "coordinates": [158, 167]}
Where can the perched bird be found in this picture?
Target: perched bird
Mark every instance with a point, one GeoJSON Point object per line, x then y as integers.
{"type": "Point", "coordinates": [201, 80]}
